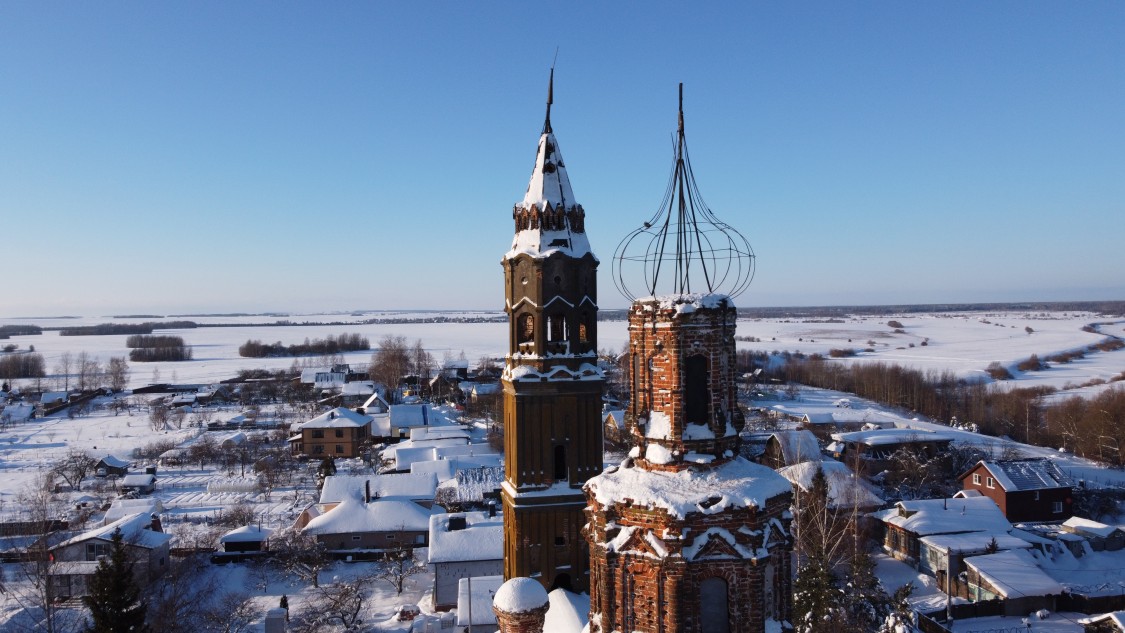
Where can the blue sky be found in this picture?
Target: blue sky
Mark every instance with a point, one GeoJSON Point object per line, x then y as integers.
{"type": "Point", "coordinates": [212, 156]}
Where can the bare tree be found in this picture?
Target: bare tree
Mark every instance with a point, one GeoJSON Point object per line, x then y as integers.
{"type": "Point", "coordinates": [390, 362]}
{"type": "Point", "coordinates": [74, 468]}
{"type": "Point", "coordinates": [32, 591]}
{"type": "Point", "coordinates": [117, 372]}
{"type": "Point", "coordinates": [62, 368]}
{"type": "Point", "coordinates": [158, 415]}
{"type": "Point", "coordinates": [301, 555]}
{"type": "Point", "coordinates": [232, 612]}
{"type": "Point", "coordinates": [422, 364]}
{"type": "Point", "coordinates": [337, 605]}
{"type": "Point", "coordinates": [174, 601]}
{"type": "Point", "coordinates": [398, 565]}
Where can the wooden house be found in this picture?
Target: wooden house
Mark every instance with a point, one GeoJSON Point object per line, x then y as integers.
{"type": "Point", "coordinates": [1025, 490]}
{"type": "Point", "coordinates": [337, 433]}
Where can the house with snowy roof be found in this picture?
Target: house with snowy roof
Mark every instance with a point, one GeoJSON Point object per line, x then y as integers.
{"type": "Point", "coordinates": [17, 412]}
{"type": "Point", "coordinates": [1013, 576]}
{"type": "Point", "coordinates": [337, 433]}
{"type": "Point", "coordinates": [463, 545]}
{"type": "Point", "coordinates": [110, 466]}
{"type": "Point", "coordinates": [905, 524]}
{"type": "Point", "coordinates": [76, 558]}
{"type": "Point", "coordinates": [1024, 489]}
{"type": "Point", "coordinates": [360, 524]}
{"type": "Point", "coordinates": [873, 450]}
{"type": "Point", "coordinates": [824, 423]}
{"type": "Point", "coordinates": [245, 541]}
{"type": "Point", "coordinates": [407, 417]}
{"type": "Point", "coordinates": [138, 483]}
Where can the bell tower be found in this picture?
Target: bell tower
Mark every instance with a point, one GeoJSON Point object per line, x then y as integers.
{"type": "Point", "coordinates": [552, 384]}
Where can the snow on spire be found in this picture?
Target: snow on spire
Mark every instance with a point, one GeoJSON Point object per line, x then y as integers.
{"type": "Point", "coordinates": [548, 220]}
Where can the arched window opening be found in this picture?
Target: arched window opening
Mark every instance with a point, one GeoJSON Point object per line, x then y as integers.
{"type": "Point", "coordinates": [556, 328]}
{"type": "Point", "coordinates": [525, 328]}
{"type": "Point", "coordinates": [584, 328]}
{"type": "Point", "coordinates": [561, 472]}
{"type": "Point", "coordinates": [713, 610]}
{"type": "Point", "coordinates": [696, 398]}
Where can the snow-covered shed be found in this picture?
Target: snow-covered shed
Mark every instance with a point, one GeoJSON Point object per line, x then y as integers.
{"type": "Point", "coordinates": [1013, 576]}
{"type": "Point", "coordinates": [463, 545]}
{"type": "Point", "coordinates": [1100, 536]}
{"type": "Point", "coordinates": [787, 448]}
{"type": "Point", "coordinates": [248, 538]}
{"type": "Point", "coordinates": [138, 483]}
{"type": "Point", "coordinates": [377, 525]}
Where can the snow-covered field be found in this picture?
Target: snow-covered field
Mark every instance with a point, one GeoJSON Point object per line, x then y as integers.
{"type": "Point", "coordinates": [962, 343]}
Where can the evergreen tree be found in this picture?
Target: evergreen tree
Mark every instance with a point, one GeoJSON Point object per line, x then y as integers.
{"type": "Point", "coordinates": [866, 602]}
{"type": "Point", "coordinates": [114, 599]}
{"type": "Point", "coordinates": [816, 599]}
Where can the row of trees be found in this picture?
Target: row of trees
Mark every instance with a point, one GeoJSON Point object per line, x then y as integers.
{"type": "Point", "coordinates": [316, 347]}
{"type": "Point", "coordinates": [25, 365]}
{"type": "Point", "coordinates": [159, 348]}
{"type": "Point", "coordinates": [394, 360]}
{"type": "Point", "coordinates": [1091, 427]}
{"type": "Point", "coordinates": [84, 372]}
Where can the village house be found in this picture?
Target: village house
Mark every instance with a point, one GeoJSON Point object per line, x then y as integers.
{"type": "Point", "coordinates": [872, 451]}
{"type": "Point", "coordinates": [76, 558]}
{"type": "Point", "coordinates": [248, 541]}
{"type": "Point", "coordinates": [418, 489]}
{"type": "Point", "coordinates": [463, 545]}
{"type": "Point", "coordinates": [787, 448]}
{"type": "Point", "coordinates": [823, 424]}
{"type": "Point", "coordinates": [1014, 577]}
{"type": "Point", "coordinates": [846, 490]}
{"type": "Point", "coordinates": [360, 524]}
{"type": "Point", "coordinates": [138, 483]}
{"type": "Point", "coordinates": [110, 466]}
{"type": "Point", "coordinates": [337, 433]}
{"type": "Point", "coordinates": [908, 522]}
{"type": "Point", "coordinates": [1025, 490]}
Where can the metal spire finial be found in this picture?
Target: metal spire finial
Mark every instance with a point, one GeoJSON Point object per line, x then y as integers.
{"type": "Point", "coordinates": [682, 238]}
{"type": "Point", "coordinates": [550, 99]}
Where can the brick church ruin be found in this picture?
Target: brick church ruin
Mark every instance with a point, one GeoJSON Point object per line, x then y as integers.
{"type": "Point", "coordinates": [684, 534]}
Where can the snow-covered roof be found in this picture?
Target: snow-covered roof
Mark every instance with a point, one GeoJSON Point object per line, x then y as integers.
{"type": "Point", "coordinates": [359, 388]}
{"type": "Point", "coordinates": [440, 432]}
{"type": "Point", "coordinates": [549, 190]}
{"type": "Point", "coordinates": [411, 415]}
{"type": "Point", "coordinates": [844, 488]}
{"type": "Point", "coordinates": [484, 589]}
{"type": "Point", "coordinates": [883, 437]}
{"type": "Point", "coordinates": [481, 537]}
{"type": "Point", "coordinates": [18, 412]}
{"type": "Point", "coordinates": [1014, 573]}
{"type": "Point", "coordinates": [974, 542]}
{"type": "Point", "coordinates": [121, 508]}
{"type": "Point", "coordinates": [406, 457]}
{"type": "Point", "coordinates": [110, 461]}
{"type": "Point", "coordinates": [735, 484]}
{"type": "Point", "coordinates": [1027, 474]}
{"type": "Point", "coordinates": [134, 531]}
{"type": "Point", "coordinates": [1078, 525]}
{"type": "Point", "coordinates": [568, 613]}
{"type": "Point", "coordinates": [797, 446]}
{"type": "Point", "coordinates": [246, 534]}
{"type": "Point", "coordinates": [138, 479]}
{"type": "Point", "coordinates": [353, 516]}
{"type": "Point", "coordinates": [337, 488]}
{"type": "Point", "coordinates": [947, 516]}
{"type": "Point", "coordinates": [340, 417]}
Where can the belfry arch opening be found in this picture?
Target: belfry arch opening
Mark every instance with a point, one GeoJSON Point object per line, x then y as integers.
{"type": "Point", "coordinates": [696, 392]}
{"type": "Point", "coordinates": [561, 472]}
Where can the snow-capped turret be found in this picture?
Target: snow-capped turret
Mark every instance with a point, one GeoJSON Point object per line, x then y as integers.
{"type": "Point", "coordinates": [548, 220]}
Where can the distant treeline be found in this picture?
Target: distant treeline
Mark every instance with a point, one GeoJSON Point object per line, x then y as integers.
{"type": "Point", "coordinates": [147, 349]}
{"type": "Point", "coordinates": [316, 347]}
{"type": "Point", "coordinates": [21, 366]}
{"type": "Point", "coordinates": [1093, 428]}
{"type": "Point", "coordinates": [105, 329]}
{"type": "Point", "coordinates": [8, 331]}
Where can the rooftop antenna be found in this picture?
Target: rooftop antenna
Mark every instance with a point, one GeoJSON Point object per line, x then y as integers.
{"type": "Point", "coordinates": [684, 242]}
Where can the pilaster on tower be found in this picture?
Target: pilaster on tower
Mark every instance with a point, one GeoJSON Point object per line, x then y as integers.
{"type": "Point", "coordinates": [552, 385]}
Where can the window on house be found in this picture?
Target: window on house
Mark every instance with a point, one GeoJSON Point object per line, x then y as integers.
{"type": "Point", "coordinates": [356, 538]}
{"type": "Point", "coordinates": [990, 482]}
{"type": "Point", "coordinates": [339, 448]}
{"type": "Point", "coordinates": [976, 479]}
{"type": "Point", "coordinates": [339, 432]}
{"type": "Point", "coordinates": [319, 448]}
{"type": "Point", "coordinates": [318, 433]}
{"type": "Point", "coordinates": [1057, 507]}
{"type": "Point", "coordinates": [94, 550]}
{"type": "Point", "coordinates": [391, 537]}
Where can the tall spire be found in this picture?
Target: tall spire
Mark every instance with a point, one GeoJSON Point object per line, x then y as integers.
{"type": "Point", "coordinates": [550, 99]}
